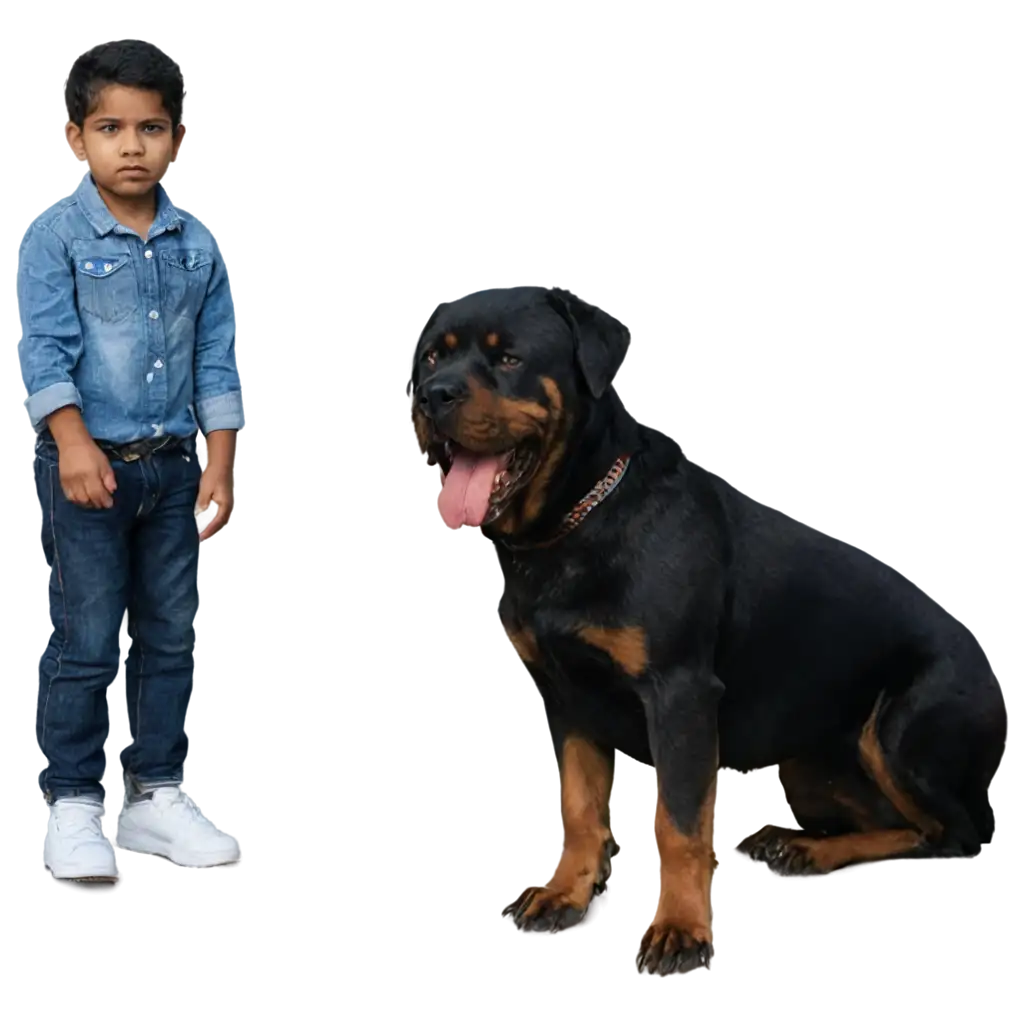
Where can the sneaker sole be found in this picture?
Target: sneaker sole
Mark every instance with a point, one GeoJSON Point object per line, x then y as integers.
{"type": "Point", "coordinates": [87, 884]}
{"type": "Point", "coordinates": [137, 845]}
{"type": "Point", "coordinates": [173, 865]}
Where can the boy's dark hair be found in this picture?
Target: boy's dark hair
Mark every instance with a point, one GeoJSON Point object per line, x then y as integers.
{"type": "Point", "coordinates": [129, 62]}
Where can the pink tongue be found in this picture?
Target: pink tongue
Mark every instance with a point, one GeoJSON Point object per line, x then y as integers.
{"type": "Point", "coordinates": [467, 488]}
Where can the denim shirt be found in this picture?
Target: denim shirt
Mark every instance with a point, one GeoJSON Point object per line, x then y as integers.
{"type": "Point", "coordinates": [140, 335]}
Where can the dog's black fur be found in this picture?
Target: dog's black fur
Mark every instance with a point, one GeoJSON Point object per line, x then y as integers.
{"type": "Point", "coordinates": [693, 628]}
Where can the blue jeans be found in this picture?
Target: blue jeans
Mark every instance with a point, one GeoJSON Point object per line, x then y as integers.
{"type": "Point", "coordinates": [139, 556]}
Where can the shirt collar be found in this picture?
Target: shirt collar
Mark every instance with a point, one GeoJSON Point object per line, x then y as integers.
{"type": "Point", "coordinates": [103, 221]}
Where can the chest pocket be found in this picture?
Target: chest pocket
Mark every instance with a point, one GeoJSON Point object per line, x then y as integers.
{"type": "Point", "coordinates": [185, 275]}
{"type": "Point", "coordinates": [106, 286]}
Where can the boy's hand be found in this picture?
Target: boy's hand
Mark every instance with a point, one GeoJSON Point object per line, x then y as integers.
{"type": "Point", "coordinates": [86, 477]}
{"type": "Point", "coordinates": [85, 474]}
{"type": "Point", "coordinates": [214, 499]}
{"type": "Point", "coordinates": [218, 481]}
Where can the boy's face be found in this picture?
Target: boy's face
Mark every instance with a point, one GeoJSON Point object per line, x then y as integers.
{"type": "Point", "coordinates": [127, 140]}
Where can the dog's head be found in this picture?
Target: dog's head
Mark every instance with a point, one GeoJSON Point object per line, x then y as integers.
{"type": "Point", "coordinates": [499, 379]}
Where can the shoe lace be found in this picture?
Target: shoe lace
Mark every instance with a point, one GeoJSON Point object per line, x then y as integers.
{"type": "Point", "coordinates": [183, 805]}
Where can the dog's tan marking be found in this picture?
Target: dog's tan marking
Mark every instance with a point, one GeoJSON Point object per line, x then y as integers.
{"type": "Point", "coordinates": [687, 864]}
{"type": "Point", "coordinates": [873, 759]}
{"type": "Point", "coordinates": [451, 340]}
{"type": "Point", "coordinates": [493, 339]}
{"type": "Point", "coordinates": [586, 772]}
{"type": "Point", "coordinates": [626, 646]}
{"type": "Point", "coordinates": [535, 493]}
{"type": "Point", "coordinates": [490, 422]}
{"type": "Point", "coordinates": [525, 643]}
{"type": "Point", "coordinates": [834, 852]}
{"type": "Point", "coordinates": [422, 425]}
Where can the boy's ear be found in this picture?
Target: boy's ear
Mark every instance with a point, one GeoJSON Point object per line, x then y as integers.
{"type": "Point", "coordinates": [74, 136]}
{"type": "Point", "coordinates": [179, 134]}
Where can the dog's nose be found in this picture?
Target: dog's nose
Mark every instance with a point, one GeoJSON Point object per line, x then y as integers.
{"type": "Point", "coordinates": [437, 398]}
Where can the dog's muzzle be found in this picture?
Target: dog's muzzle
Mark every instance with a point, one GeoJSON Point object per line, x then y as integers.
{"type": "Point", "coordinates": [438, 398]}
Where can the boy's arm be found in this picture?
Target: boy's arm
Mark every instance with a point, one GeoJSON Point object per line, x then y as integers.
{"type": "Point", "coordinates": [51, 335]}
{"type": "Point", "coordinates": [50, 347]}
{"type": "Point", "coordinates": [217, 387]}
{"type": "Point", "coordinates": [218, 395]}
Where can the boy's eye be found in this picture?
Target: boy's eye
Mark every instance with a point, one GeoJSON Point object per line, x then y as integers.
{"type": "Point", "coordinates": [146, 129]}
{"type": "Point", "coordinates": [510, 361]}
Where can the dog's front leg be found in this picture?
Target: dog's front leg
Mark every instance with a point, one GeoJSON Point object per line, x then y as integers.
{"type": "Point", "coordinates": [682, 720]}
{"type": "Point", "coordinates": [584, 859]}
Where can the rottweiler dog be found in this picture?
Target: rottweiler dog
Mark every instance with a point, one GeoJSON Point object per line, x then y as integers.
{"type": "Point", "coordinates": [666, 615]}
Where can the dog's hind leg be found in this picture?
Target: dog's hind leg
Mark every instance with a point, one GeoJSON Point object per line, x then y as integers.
{"type": "Point", "coordinates": [845, 818]}
{"type": "Point", "coordinates": [838, 806]}
{"type": "Point", "coordinates": [585, 858]}
{"type": "Point", "coordinates": [914, 784]}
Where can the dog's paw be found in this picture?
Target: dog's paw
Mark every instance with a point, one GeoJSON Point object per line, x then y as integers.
{"type": "Point", "coordinates": [540, 909]}
{"type": "Point", "coordinates": [781, 855]}
{"type": "Point", "coordinates": [544, 909]}
{"type": "Point", "coordinates": [748, 847]}
{"type": "Point", "coordinates": [673, 949]}
{"type": "Point", "coordinates": [792, 858]}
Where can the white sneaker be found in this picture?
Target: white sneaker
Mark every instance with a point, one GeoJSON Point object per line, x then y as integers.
{"type": "Point", "coordinates": [76, 848]}
{"type": "Point", "coordinates": [170, 825]}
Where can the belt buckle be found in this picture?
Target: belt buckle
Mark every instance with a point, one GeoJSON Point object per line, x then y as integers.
{"type": "Point", "coordinates": [129, 456]}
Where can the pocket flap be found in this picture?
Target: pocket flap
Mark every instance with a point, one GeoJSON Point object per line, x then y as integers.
{"type": "Point", "coordinates": [101, 266]}
{"type": "Point", "coordinates": [187, 259]}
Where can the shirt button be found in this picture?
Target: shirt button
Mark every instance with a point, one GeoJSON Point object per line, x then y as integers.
{"type": "Point", "coordinates": [154, 315]}
{"type": "Point", "coordinates": [149, 378]}
{"type": "Point", "coordinates": [159, 363]}
{"type": "Point", "coordinates": [88, 266]}
{"type": "Point", "coordinates": [149, 254]}
{"type": "Point", "coordinates": [108, 267]}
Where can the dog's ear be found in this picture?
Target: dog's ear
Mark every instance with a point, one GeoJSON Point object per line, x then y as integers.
{"type": "Point", "coordinates": [416, 355]}
{"type": "Point", "coordinates": [600, 340]}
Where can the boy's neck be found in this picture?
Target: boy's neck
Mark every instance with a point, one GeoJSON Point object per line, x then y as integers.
{"type": "Point", "coordinates": [135, 212]}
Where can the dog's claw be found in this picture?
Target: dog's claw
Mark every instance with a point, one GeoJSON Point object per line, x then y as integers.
{"type": "Point", "coordinates": [611, 848]}
{"type": "Point", "coordinates": [544, 910]}
{"type": "Point", "coordinates": [541, 909]}
{"type": "Point", "coordinates": [668, 949]}
{"type": "Point", "coordinates": [781, 849]}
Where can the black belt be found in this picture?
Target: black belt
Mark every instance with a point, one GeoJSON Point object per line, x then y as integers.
{"type": "Point", "coordinates": [135, 450]}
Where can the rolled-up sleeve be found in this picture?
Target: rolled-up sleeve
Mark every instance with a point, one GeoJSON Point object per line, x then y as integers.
{"type": "Point", "coordinates": [51, 335]}
{"type": "Point", "coordinates": [217, 385]}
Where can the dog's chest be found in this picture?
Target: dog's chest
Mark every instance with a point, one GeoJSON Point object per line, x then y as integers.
{"type": "Point", "coordinates": [559, 628]}
{"type": "Point", "coordinates": [586, 663]}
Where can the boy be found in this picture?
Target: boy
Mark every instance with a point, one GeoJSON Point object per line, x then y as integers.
{"type": "Point", "coordinates": [127, 351]}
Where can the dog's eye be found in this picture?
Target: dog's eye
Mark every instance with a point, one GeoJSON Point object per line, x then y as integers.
{"type": "Point", "coordinates": [510, 361]}
{"type": "Point", "coordinates": [431, 358]}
